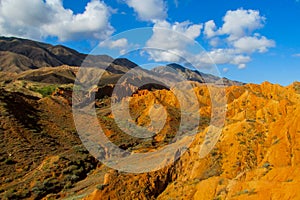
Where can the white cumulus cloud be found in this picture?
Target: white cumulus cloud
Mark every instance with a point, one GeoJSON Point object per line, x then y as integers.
{"type": "Point", "coordinates": [221, 56]}
{"type": "Point", "coordinates": [149, 10]}
{"type": "Point", "coordinates": [238, 23]}
{"type": "Point", "coordinates": [237, 38]}
{"type": "Point", "coordinates": [37, 19]}
{"type": "Point", "coordinates": [120, 43]}
{"type": "Point", "coordinates": [172, 40]}
{"type": "Point", "coordinates": [210, 29]}
{"type": "Point", "coordinates": [233, 42]}
{"type": "Point", "coordinates": [252, 44]}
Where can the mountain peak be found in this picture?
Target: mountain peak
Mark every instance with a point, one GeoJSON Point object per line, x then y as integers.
{"type": "Point", "coordinates": [176, 67]}
{"type": "Point", "coordinates": [176, 72]}
{"type": "Point", "coordinates": [18, 55]}
{"type": "Point", "coordinates": [124, 62]}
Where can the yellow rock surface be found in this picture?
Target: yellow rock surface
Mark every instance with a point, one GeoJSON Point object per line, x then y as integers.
{"type": "Point", "coordinates": [257, 155]}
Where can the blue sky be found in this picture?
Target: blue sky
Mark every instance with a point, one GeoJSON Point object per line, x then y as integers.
{"type": "Point", "coordinates": [248, 40]}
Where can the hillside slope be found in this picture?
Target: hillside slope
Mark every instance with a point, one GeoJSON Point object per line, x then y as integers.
{"type": "Point", "coordinates": [19, 55]}
{"type": "Point", "coordinates": [256, 157]}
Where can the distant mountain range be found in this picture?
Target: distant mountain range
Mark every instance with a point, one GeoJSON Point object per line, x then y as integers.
{"type": "Point", "coordinates": [19, 55]}
{"type": "Point", "coordinates": [191, 75]}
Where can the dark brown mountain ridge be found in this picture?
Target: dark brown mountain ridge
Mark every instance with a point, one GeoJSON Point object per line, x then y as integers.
{"type": "Point", "coordinates": [18, 55]}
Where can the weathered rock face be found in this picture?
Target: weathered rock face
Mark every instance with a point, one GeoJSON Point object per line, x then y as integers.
{"type": "Point", "coordinates": [256, 157]}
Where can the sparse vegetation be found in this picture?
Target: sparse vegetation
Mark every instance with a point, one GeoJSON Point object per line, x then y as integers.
{"type": "Point", "coordinates": [45, 90]}
{"type": "Point", "coordinates": [297, 88]}
{"type": "Point", "coordinates": [100, 187]}
{"type": "Point", "coordinates": [266, 165]}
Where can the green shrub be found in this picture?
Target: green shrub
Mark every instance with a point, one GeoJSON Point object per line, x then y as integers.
{"type": "Point", "coordinates": [72, 178]}
{"type": "Point", "coordinates": [242, 192]}
{"type": "Point", "coordinates": [70, 169]}
{"type": "Point", "coordinates": [50, 183]}
{"type": "Point", "coordinates": [68, 185]}
{"type": "Point", "coordinates": [44, 91]}
{"type": "Point", "coordinates": [266, 165]}
{"type": "Point", "coordinates": [100, 187]}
